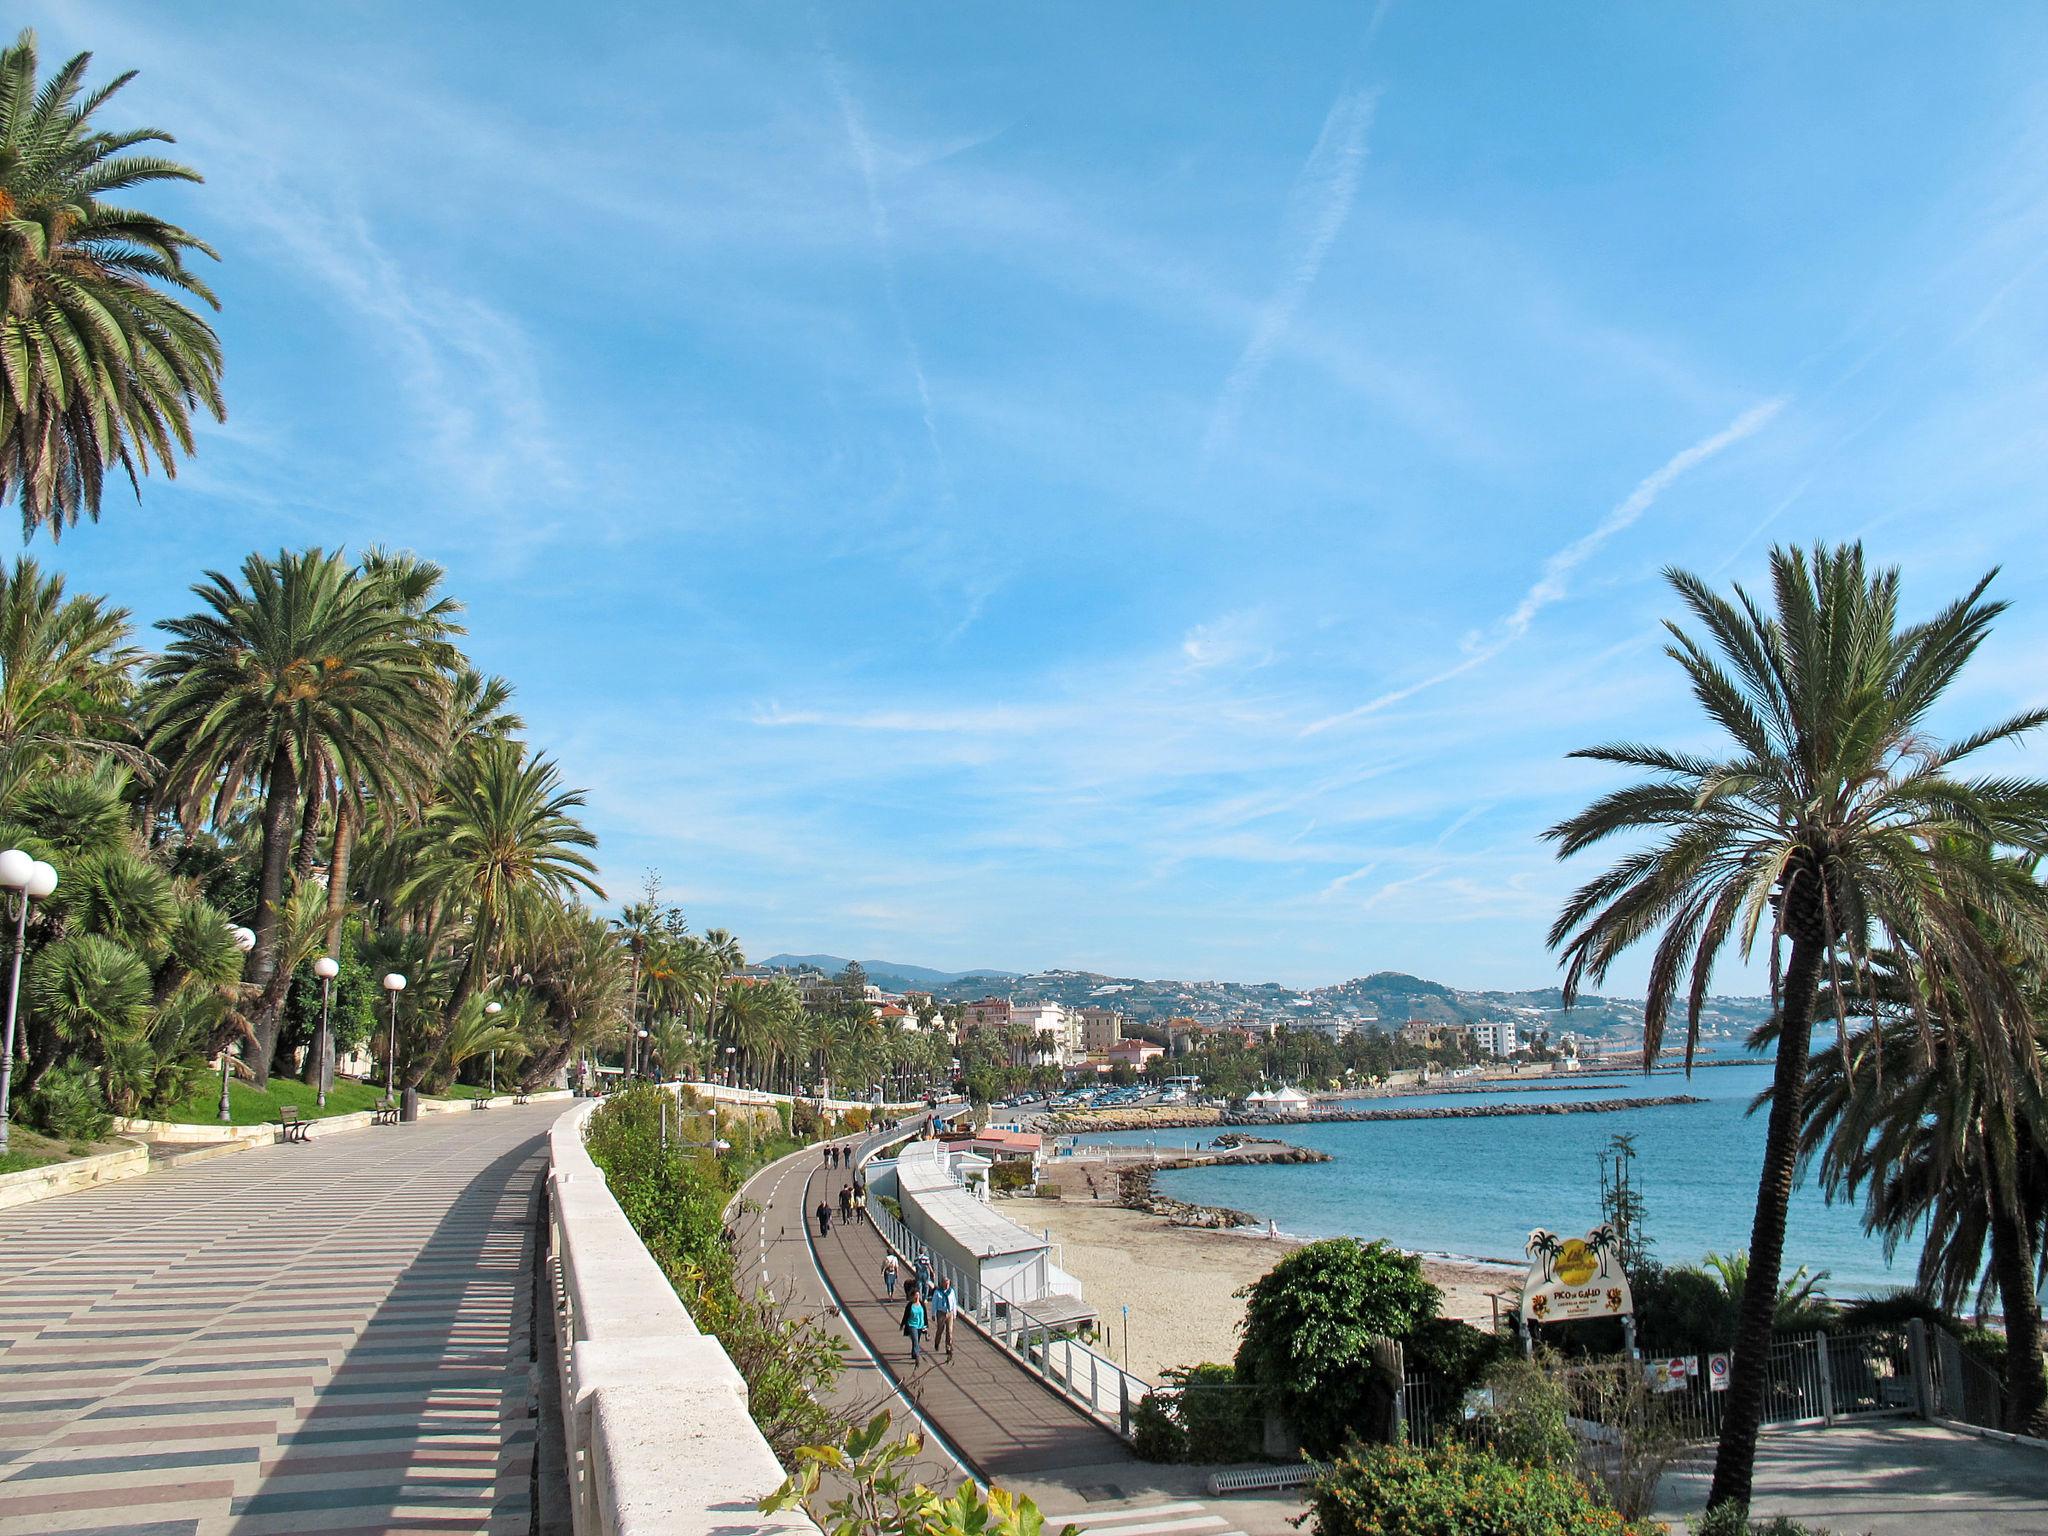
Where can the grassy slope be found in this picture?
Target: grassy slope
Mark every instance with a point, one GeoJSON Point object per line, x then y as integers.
{"type": "Point", "coordinates": [246, 1106]}
{"type": "Point", "coordinates": [31, 1149]}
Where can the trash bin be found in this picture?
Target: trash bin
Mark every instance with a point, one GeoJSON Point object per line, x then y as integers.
{"type": "Point", "coordinates": [409, 1105]}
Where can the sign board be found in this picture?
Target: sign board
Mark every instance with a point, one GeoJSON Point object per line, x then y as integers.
{"type": "Point", "coordinates": [1717, 1373]}
{"type": "Point", "coordinates": [1672, 1374]}
{"type": "Point", "coordinates": [1574, 1279]}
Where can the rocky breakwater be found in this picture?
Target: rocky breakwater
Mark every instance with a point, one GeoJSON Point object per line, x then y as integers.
{"type": "Point", "coordinates": [1159, 1117]}
{"type": "Point", "coordinates": [1461, 1111]}
{"type": "Point", "coordinates": [1136, 1190]}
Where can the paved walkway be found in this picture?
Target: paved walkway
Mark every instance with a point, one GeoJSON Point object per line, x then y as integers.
{"type": "Point", "coordinates": [1891, 1479]}
{"type": "Point", "coordinates": [325, 1337]}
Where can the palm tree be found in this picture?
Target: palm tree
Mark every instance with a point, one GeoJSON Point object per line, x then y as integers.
{"type": "Point", "coordinates": [1934, 1148]}
{"type": "Point", "coordinates": [301, 674]}
{"type": "Point", "coordinates": [1837, 817]}
{"type": "Point", "coordinates": [65, 688]}
{"type": "Point", "coordinates": [502, 849]}
{"type": "Point", "coordinates": [101, 361]}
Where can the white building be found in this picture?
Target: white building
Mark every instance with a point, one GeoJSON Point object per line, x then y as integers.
{"type": "Point", "coordinates": [1496, 1037]}
{"type": "Point", "coordinates": [1054, 1019]}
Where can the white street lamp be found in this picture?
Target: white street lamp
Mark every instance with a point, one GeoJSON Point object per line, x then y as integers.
{"type": "Point", "coordinates": [30, 879]}
{"type": "Point", "coordinates": [394, 984]}
{"type": "Point", "coordinates": [326, 968]}
{"type": "Point", "coordinates": [245, 941]}
{"type": "Point", "coordinates": [494, 1009]}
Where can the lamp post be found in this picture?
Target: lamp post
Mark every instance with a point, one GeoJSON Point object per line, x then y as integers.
{"type": "Point", "coordinates": [30, 879]}
{"type": "Point", "coordinates": [394, 984]}
{"type": "Point", "coordinates": [494, 1009]}
{"type": "Point", "coordinates": [728, 1065]}
{"type": "Point", "coordinates": [244, 941]}
{"type": "Point", "coordinates": [640, 1053]}
{"type": "Point", "coordinates": [326, 968]}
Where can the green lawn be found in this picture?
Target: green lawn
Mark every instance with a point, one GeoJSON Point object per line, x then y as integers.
{"type": "Point", "coordinates": [248, 1107]}
{"type": "Point", "coordinates": [31, 1149]}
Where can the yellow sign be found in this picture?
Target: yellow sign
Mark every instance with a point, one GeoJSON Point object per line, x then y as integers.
{"type": "Point", "coordinates": [1576, 1263]}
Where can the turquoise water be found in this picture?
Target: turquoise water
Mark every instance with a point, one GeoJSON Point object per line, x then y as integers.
{"type": "Point", "coordinates": [1476, 1187]}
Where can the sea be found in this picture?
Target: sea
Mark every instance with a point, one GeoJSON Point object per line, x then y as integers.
{"type": "Point", "coordinates": [1475, 1188]}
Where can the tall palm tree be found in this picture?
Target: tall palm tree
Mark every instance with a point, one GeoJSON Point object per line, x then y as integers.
{"type": "Point", "coordinates": [101, 360]}
{"type": "Point", "coordinates": [65, 679]}
{"type": "Point", "coordinates": [503, 846]}
{"type": "Point", "coordinates": [1837, 822]}
{"type": "Point", "coordinates": [1935, 1148]}
{"type": "Point", "coordinates": [300, 674]}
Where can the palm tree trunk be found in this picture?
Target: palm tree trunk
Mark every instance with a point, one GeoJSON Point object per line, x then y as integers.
{"type": "Point", "coordinates": [2012, 1266]}
{"type": "Point", "coordinates": [337, 873]}
{"type": "Point", "coordinates": [1742, 1416]}
{"type": "Point", "coordinates": [281, 800]}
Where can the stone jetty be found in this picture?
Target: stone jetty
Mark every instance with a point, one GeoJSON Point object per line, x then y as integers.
{"type": "Point", "coordinates": [1160, 1118]}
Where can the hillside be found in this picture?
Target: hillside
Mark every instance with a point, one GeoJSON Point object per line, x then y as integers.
{"type": "Point", "coordinates": [1391, 998]}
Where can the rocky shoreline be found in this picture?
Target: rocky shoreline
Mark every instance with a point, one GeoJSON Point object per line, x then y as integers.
{"type": "Point", "coordinates": [1159, 1119]}
{"type": "Point", "coordinates": [1136, 1191]}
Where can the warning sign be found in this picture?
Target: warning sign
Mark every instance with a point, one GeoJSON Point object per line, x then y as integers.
{"type": "Point", "coordinates": [1717, 1373]}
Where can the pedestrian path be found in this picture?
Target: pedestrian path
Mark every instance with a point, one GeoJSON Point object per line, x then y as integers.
{"type": "Point", "coordinates": [997, 1417]}
{"type": "Point", "coordinates": [329, 1336]}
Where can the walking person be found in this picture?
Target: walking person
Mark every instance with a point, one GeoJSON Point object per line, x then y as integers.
{"type": "Point", "coordinates": [914, 1322]}
{"type": "Point", "coordinates": [925, 1273]}
{"type": "Point", "coordinates": [943, 1309]}
{"type": "Point", "coordinates": [889, 1271]}
{"type": "Point", "coordinates": [845, 1202]}
{"type": "Point", "coordinates": [824, 1218]}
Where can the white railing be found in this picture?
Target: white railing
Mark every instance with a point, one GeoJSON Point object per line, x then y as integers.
{"type": "Point", "coordinates": [654, 1414]}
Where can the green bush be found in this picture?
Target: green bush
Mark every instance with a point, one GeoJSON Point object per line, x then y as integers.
{"type": "Point", "coordinates": [1008, 1178]}
{"type": "Point", "coordinates": [1453, 1491]}
{"type": "Point", "coordinates": [1729, 1520]}
{"type": "Point", "coordinates": [1453, 1352]}
{"type": "Point", "coordinates": [1309, 1328]}
{"type": "Point", "coordinates": [68, 1105]}
{"type": "Point", "coordinates": [1203, 1415]}
{"type": "Point", "coordinates": [1530, 1407]}
{"type": "Point", "coordinates": [675, 1196]}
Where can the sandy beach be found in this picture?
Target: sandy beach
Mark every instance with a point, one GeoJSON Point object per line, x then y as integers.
{"type": "Point", "coordinates": [1180, 1282]}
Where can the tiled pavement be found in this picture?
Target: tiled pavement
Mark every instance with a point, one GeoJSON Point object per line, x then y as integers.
{"type": "Point", "coordinates": [330, 1337]}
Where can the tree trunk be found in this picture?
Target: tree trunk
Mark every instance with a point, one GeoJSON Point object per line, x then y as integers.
{"type": "Point", "coordinates": [2012, 1266]}
{"type": "Point", "coordinates": [1742, 1415]}
{"type": "Point", "coordinates": [337, 874]}
{"type": "Point", "coordinates": [281, 801]}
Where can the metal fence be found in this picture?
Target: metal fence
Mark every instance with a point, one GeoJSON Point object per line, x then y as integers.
{"type": "Point", "coordinates": [1910, 1371]}
{"type": "Point", "coordinates": [1960, 1386]}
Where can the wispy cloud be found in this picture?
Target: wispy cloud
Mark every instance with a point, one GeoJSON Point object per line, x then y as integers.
{"type": "Point", "coordinates": [862, 144]}
{"type": "Point", "coordinates": [1554, 582]}
{"type": "Point", "coordinates": [1324, 191]}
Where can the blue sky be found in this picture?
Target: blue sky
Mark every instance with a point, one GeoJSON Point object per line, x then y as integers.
{"type": "Point", "coordinates": [1144, 487]}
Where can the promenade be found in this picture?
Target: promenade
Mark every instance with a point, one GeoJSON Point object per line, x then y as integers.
{"type": "Point", "coordinates": [332, 1336]}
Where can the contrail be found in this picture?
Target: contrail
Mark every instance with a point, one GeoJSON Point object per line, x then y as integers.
{"type": "Point", "coordinates": [878, 223]}
{"type": "Point", "coordinates": [1317, 208]}
{"type": "Point", "coordinates": [1551, 585]}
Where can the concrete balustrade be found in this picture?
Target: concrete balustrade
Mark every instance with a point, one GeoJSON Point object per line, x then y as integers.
{"type": "Point", "coordinates": [654, 1414]}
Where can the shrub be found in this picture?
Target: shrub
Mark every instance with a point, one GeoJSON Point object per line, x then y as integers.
{"type": "Point", "coordinates": [69, 1106]}
{"type": "Point", "coordinates": [1008, 1178]}
{"type": "Point", "coordinates": [1453, 1352]}
{"type": "Point", "coordinates": [1728, 1519]}
{"type": "Point", "coordinates": [675, 1197]}
{"type": "Point", "coordinates": [1202, 1415]}
{"type": "Point", "coordinates": [1309, 1329]}
{"type": "Point", "coordinates": [1530, 1407]}
{"type": "Point", "coordinates": [1454, 1491]}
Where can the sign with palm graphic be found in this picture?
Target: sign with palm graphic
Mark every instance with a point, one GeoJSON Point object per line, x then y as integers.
{"type": "Point", "coordinates": [1574, 1278]}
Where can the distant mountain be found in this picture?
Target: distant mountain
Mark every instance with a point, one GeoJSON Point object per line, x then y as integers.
{"type": "Point", "coordinates": [884, 973]}
{"type": "Point", "coordinates": [1390, 996]}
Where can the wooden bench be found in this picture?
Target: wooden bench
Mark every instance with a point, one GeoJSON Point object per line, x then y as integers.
{"type": "Point", "coordinates": [385, 1112]}
{"type": "Point", "coordinates": [289, 1123]}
